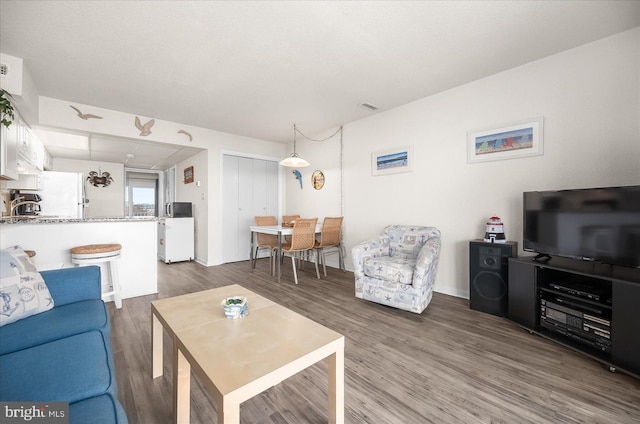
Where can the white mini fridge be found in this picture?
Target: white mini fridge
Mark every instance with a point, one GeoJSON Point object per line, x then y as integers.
{"type": "Point", "coordinates": [175, 239]}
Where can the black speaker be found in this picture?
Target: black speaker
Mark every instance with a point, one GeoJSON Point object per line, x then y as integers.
{"type": "Point", "coordinates": [489, 276]}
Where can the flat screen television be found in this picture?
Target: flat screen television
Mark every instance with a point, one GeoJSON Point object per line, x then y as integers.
{"type": "Point", "coordinates": [598, 224]}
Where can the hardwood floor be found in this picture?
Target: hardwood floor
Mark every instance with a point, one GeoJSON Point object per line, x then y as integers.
{"type": "Point", "coordinates": [448, 365]}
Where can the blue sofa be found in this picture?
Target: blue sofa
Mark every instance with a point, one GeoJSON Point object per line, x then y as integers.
{"type": "Point", "coordinates": [64, 354]}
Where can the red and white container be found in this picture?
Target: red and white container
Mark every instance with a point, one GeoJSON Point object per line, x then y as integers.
{"type": "Point", "coordinates": [494, 232]}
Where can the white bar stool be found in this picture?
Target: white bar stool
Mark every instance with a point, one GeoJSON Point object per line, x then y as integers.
{"type": "Point", "coordinates": [99, 253]}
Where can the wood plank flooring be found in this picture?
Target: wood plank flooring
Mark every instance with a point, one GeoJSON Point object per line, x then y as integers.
{"type": "Point", "coordinates": [448, 365]}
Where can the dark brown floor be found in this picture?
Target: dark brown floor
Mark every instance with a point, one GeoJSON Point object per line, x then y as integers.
{"type": "Point", "coordinates": [448, 365]}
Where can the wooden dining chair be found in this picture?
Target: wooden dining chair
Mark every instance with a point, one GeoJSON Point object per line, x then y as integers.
{"type": "Point", "coordinates": [287, 221]}
{"type": "Point", "coordinates": [330, 239]}
{"type": "Point", "coordinates": [302, 240]}
{"type": "Point", "coordinates": [266, 241]}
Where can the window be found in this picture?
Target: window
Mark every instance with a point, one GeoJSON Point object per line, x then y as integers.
{"type": "Point", "coordinates": [141, 194]}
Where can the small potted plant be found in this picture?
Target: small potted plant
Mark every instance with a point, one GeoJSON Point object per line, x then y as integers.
{"type": "Point", "coordinates": [235, 307]}
{"type": "Point", "coordinates": [6, 108]}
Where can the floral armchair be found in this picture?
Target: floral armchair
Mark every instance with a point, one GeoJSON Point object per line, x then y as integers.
{"type": "Point", "coordinates": [398, 268]}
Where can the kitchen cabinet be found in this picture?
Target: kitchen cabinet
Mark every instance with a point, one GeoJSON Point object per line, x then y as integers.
{"type": "Point", "coordinates": [47, 160]}
{"type": "Point", "coordinates": [24, 182]}
{"type": "Point", "coordinates": [37, 152]}
{"type": "Point", "coordinates": [24, 139]}
{"type": "Point", "coordinates": [30, 149]}
{"type": "Point", "coordinates": [8, 152]}
{"type": "Point", "coordinates": [20, 151]}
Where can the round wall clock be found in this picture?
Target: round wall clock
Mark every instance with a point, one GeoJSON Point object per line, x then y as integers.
{"type": "Point", "coordinates": [317, 180]}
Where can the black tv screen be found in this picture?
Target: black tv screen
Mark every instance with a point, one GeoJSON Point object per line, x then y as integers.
{"type": "Point", "coordinates": [599, 224]}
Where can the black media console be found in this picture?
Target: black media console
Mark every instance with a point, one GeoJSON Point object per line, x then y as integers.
{"type": "Point", "coordinates": [586, 306]}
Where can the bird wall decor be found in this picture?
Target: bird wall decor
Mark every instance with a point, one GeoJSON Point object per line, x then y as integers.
{"type": "Point", "coordinates": [146, 128]}
{"type": "Point", "coordinates": [298, 176]}
{"type": "Point", "coordinates": [85, 116]}
{"type": "Point", "coordinates": [98, 180]}
{"type": "Point", "coordinates": [186, 133]}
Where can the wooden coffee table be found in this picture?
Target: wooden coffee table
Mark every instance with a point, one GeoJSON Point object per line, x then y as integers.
{"type": "Point", "coordinates": [235, 359]}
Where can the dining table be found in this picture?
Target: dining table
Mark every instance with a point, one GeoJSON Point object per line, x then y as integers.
{"type": "Point", "coordinates": [277, 230]}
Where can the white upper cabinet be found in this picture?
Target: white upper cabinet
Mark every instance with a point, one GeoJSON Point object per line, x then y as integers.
{"type": "Point", "coordinates": [8, 152]}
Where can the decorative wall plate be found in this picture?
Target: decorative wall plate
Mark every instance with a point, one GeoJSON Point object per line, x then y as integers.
{"type": "Point", "coordinates": [317, 180]}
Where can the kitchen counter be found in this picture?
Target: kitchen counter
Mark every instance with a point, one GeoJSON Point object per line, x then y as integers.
{"type": "Point", "coordinates": [53, 237]}
{"type": "Point", "coordinates": [44, 219]}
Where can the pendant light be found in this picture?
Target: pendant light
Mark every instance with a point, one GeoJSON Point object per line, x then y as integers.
{"type": "Point", "coordinates": [293, 160]}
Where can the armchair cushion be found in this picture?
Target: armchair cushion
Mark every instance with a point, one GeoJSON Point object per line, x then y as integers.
{"type": "Point", "coordinates": [397, 270]}
{"type": "Point", "coordinates": [405, 242]}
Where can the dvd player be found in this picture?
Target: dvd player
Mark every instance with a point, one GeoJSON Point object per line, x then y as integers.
{"type": "Point", "coordinates": [578, 289]}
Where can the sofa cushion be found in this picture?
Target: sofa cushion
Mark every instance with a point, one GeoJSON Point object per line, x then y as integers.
{"type": "Point", "coordinates": [397, 270]}
{"type": "Point", "coordinates": [65, 370]}
{"type": "Point", "coordinates": [69, 285]}
{"type": "Point", "coordinates": [97, 410]}
{"type": "Point", "coordinates": [61, 321]}
{"type": "Point", "coordinates": [23, 291]}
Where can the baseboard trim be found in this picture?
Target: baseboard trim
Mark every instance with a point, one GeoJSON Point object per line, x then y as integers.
{"type": "Point", "coordinates": [452, 292]}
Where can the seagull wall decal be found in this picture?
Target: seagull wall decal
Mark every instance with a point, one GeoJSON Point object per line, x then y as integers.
{"type": "Point", "coordinates": [146, 128]}
{"type": "Point", "coordinates": [186, 133]}
{"type": "Point", "coordinates": [85, 116]}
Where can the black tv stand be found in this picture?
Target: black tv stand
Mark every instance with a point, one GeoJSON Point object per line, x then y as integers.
{"type": "Point", "coordinates": [541, 257]}
{"type": "Point", "coordinates": [608, 296]}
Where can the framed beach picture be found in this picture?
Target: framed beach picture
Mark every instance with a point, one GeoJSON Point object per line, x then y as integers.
{"type": "Point", "coordinates": [516, 140]}
{"type": "Point", "coordinates": [392, 161]}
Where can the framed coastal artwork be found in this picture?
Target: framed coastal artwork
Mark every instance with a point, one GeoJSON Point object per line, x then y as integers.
{"type": "Point", "coordinates": [516, 140]}
{"type": "Point", "coordinates": [392, 161]}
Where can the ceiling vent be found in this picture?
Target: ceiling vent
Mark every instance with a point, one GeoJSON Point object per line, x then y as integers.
{"type": "Point", "coordinates": [368, 106]}
{"type": "Point", "coordinates": [3, 69]}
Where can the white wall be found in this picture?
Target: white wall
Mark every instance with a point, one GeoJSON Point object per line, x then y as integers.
{"type": "Point", "coordinates": [589, 98]}
{"type": "Point", "coordinates": [196, 193]}
{"type": "Point", "coordinates": [104, 202]}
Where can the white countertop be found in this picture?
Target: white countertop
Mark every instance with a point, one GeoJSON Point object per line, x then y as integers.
{"type": "Point", "coordinates": [57, 219]}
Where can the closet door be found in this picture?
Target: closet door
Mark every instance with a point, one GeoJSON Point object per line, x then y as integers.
{"type": "Point", "coordinates": [230, 247]}
{"type": "Point", "coordinates": [246, 209]}
{"type": "Point", "coordinates": [259, 187]}
{"type": "Point", "coordinates": [272, 189]}
{"type": "Point", "coordinates": [250, 188]}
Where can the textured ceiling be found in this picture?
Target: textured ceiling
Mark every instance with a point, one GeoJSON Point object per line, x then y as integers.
{"type": "Point", "coordinates": [256, 68]}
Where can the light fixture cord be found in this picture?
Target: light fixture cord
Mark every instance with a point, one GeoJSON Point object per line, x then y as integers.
{"type": "Point", "coordinates": [341, 178]}
{"type": "Point", "coordinates": [339, 130]}
{"type": "Point", "coordinates": [295, 129]}
{"type": "Point", "coordinates": [294, 138]}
